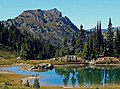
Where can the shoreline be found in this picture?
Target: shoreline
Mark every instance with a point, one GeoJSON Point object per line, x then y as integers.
{"type": "Point", "coordinates": [6, 72]}
{"type": "Point", "coordinates": [88, 65]}
{"type": "Point", "coordinates": [26, 66]}
{"type": "Point", "coordinates": [24, 80]}
{"type": "Point", "coordinates": [29, 78]}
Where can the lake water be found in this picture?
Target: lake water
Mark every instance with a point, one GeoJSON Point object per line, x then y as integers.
{"type": "Point", "coordinates": [75, 76]}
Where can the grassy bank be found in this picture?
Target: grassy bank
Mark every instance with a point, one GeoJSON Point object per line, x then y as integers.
{"type": "Point", "coordinates": [106, 62]}
{"type": "Point", "coordinates": [7, 54]}
{"type": "Point", "coordinates": [57, 87]}
{"type": "Point", "coordinates": [15, 61]}
{"type": "Point", "coordinates": [13, 79]}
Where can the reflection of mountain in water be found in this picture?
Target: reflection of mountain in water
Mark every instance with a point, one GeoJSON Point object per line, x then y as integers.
{"type": "Point", "coordinates": [89, 76]}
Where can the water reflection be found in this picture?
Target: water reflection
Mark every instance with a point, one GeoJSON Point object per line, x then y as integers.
{"type": "Point", "coordinates": [73, 76]}
{"type": "Point", "coordinates": [89, 76]}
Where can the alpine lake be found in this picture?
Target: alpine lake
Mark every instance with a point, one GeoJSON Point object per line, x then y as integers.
{"type": "Point", "coordinates": [74, 76]}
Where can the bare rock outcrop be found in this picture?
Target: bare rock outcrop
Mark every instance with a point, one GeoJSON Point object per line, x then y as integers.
{"type": "Point", "coordinates": [42, 66]}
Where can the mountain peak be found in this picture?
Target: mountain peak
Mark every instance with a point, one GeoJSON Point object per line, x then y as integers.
{"type": "Point", "coordinates": [50, 13]}
{"type": "Point", "coordinates": [49, 23]}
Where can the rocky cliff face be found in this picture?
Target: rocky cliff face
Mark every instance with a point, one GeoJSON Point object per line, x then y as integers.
{"type": "Point", "coordinates": [49, 23]}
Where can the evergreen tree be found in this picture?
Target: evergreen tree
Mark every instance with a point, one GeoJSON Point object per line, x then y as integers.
{"type": "Point", "coordinates": [81, 39]}
{"type": "Point", "coordinates": [36, 84]}
{"type": "Point", "coordinates": [91, 47]}
{"type": "Point", "coordinates": [117, 44]}
{"type": "Point", "coordinates": [73, 43]}
{"type": "Point", "coordinates": [105, 47]}
{"type": "Point", "coordinates": [1, 32]}
{"type": "Point", "coordinates": [24, 51]}
{"type": "Point", "coordinates": [110, 39]}
{"type": "Point", "coordinates": [95, 42]}
{"type": "Point", "coordinates": [89, 52]}
{"type": "Point", "coordinates": [99, 39]}
{"type": "Point", "coordinates": [24, 43]}
{"type": "Point", "coordinates": [86, 51]}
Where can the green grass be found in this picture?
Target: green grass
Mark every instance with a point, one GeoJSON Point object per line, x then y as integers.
{"type": "Point", "coordinates": [57, 87]}
{"type": "Point", "coordinates": [13, 79]}
{"type": "Point", "coordinates": [33, 62]}
{"type": "Point", "coordinates": [7, 55]}
{"type": "Point", "coordinates": [16, 87]}
{"type": "Point", "coordinates": [54, 62]}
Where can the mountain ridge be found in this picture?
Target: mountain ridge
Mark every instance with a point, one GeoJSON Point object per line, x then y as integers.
{"type": "Point", "coordinates": [49, 23]}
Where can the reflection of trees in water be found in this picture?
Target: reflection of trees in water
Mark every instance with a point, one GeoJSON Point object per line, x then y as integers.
{"type": "Point", "coordinates": [108, 76]}
{"type": "Point", "coordinates": [73, 80]}
{"type": "Point", "coordinates": [65, 81]}
{"type": "Point", "coordinates": [64, 73]}
{"type": "Point", "coordinates": [89, 76]}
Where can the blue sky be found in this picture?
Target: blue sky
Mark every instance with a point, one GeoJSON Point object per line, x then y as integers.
{"type": "Point", "coordinates": [85, 12]}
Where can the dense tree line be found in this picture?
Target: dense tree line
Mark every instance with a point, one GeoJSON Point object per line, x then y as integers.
{"type": "Point", "coordinates": [94, 43]}
{"type": "Point", "coordinates": [24, 43]}
{"type": "Point", "coordinates": [87, 44]}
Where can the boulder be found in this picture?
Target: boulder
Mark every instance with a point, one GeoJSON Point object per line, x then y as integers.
{"type": "Point", "coordinates": [18, 58]}
{"type": "Point", "coordinates": [1, 58]}
{"type": "Point", "coordinates": [71, 58]}
{"type": "Point", "coordinates": [41, 66]}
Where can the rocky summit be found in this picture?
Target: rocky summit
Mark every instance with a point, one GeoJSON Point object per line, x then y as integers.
{"type": "Point", "coordinates": [49, 23]}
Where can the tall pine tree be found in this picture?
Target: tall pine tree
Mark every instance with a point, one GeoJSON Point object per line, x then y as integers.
{"type": "Point", "coordinates": [99, 39]}
{"type": "Point", "coordinates": [81, 39]}
{"type": "Point", "coordinates": [73, 43]}
{"type": "Point", "coordinates": [110, 39]}
{"type": "Point", "coordinates": [117, 44]}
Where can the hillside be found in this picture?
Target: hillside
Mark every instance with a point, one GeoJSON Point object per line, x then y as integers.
{"type": "Point", "coordinates": [49, 23]}
{"type": "Point", "coordinates": [35, 34]}
{"type": "Point", "coordinates": [44, 34]}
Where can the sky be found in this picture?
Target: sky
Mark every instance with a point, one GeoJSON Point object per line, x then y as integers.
{"type": "Point", "coordinates": [85, 12]}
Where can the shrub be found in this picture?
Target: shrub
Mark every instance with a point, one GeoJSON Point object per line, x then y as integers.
{"type": "Point", "coordinates": [36, 84]}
